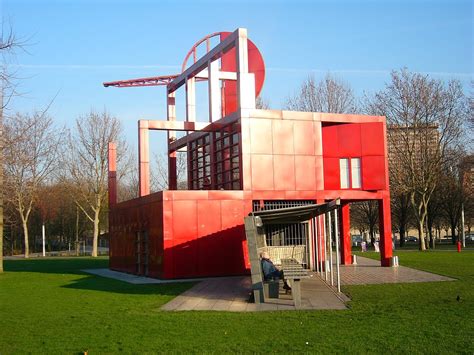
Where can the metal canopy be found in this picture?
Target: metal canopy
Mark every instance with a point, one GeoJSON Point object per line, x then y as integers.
{"type": "Point", "coordinates": [295, 214]}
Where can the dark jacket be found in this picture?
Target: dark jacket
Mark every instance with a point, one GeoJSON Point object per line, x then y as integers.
{"type": "Point", "coordinates": [269, 270]}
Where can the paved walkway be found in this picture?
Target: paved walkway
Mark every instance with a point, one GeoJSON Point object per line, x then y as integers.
{"type": "Point", "coordinates": [232, 293]}
{"type": "Point", "coordinates": [368, 271]}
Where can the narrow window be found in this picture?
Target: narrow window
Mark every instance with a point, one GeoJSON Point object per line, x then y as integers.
{"type": "Point", "coordinates": [344, 172]}
{"type": "Point", "coordinates": [355, 173]}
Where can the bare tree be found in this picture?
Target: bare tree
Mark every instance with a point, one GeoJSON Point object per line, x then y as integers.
{"type": "Point", "coordinates": [261, 103]}
{"type": "Point", "coordinates": [87, 164]}
{"type": "Point", "coordinates": [8, 43]}
{"type": "Point", "coordinates": [331, 94]}
{"type": "Point", "coordinates": [31, 155]}
{"type": "Point", "coordinates": [401, 212]}
{"type": "Point", "coordinates": [425, 119]}
{"type": "Point", "coordinates": [159, 175]}
{"type": "Point", "coordinates": [365, 216]}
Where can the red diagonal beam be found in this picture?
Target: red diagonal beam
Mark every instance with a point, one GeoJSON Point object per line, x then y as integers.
{"type": "Point", "coordinates": [152, 81]}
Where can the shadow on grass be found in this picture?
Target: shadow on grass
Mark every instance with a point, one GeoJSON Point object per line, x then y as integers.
{"type": "Point", "coordinates": [85, 281]}
{"type": "Point", "coordinates": [97, 283]}
{"type": "Point", "coordinates": [72, 265]}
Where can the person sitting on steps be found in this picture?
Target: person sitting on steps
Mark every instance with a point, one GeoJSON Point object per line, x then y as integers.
{"type": "Point", "coordinates": [270, 271]}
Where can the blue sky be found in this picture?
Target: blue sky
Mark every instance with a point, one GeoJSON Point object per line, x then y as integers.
{"type": "Point", "coordinates": [74, 46]}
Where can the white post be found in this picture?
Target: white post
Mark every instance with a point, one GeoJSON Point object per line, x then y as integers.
{"type": "Point", "coordinates": [330, 250]}
{"type": "Point", "coordinates": [320, 245]}
{"type": "Point", "coordinates": [336, 232]}
{"type": "Point", "coordinates": [44, 239]}
{"type": "Point", "coordinates": [310, 246]}
{"type": "Point", "coordinates": [315, 234]}
{"type": "Point", "coordinates": [214, 87]}
{"type": "Point", "coordinates": [323, 229]}
{"type": "Point", "coordinates": [462, 226]}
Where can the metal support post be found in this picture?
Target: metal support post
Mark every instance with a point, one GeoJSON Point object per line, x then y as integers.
{"type": "Point", "coordinates": [330, 247]}
{"type": "Point", "coordinates": [323, 230]}
{"type": "Point", "coordinates": [336, 232]}
{"type": "Point", "coordinates": [315, 236]}
{"type": "Point", "coordinates": [318, 221]}
{"type": "Point", "coordinates": [43, 233]}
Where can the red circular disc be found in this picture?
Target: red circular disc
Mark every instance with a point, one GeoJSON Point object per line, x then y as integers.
{"type": "Point", "coordinates": [228, 63]}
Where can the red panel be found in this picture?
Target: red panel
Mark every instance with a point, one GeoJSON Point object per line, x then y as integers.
{"type": "Point", "coordinates": [209, 227]}
{"type": "Point", "coordinates": [209, 217]}
{"type": "Point", "coordinates": [373, 173]}
{"type": "Point", "coordinates": [349, 144]}
{"type": "Point", "coordinates": [233, 213]}
{"type": "Point", "coordinates": [330, 141]}
{"type": "Point", "coordinates": [261, 136]}
{"type": "Point", "coordinates": [184, 221]}
{"type": "Point", "coordinates": [304, 138]}
{"type": "Point", "coordinates": [385, 228]}
{"type": "Point", "coordinates": [331, 174]}
{"type": "Point", "coordinates": [318, 138]}
{"type": "Point", "coordinates": [319, 172]}
{"type": "Point", "coordinates": [262, 172]}
{"type": "Point", "coordinates": [185, 259]}
{"type": "Point", "coordinates": [304, 172]}
{"type": "Point", "coordinates": [284, 172]}
{"type": "Point", "coordinates": [346, 243]}
{"type": "Point", "coordinates": [372, 137]}
{"type": "Point", "coordinates": [283, 137]}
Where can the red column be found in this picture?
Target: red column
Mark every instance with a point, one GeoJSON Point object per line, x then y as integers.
{"type": "Point", "coordinates": [345, 232]}
{"type": "Point", "coordinates": [143, 159]}
{"type": "Point", "coordinates": [172, 173]}
{"type": "Point", "coordinates": [321, 246]}
{"type": "Point", "coordinates": [112, 181]}
{"type": "Point", "coordinates": [385, 228]}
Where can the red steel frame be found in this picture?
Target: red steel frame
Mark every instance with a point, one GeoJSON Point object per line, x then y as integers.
{"type": "Point", "coordinates": [283, 155]}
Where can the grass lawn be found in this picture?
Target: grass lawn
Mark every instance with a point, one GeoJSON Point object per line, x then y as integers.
{"type": "Point", "coordinates": [50, 306]}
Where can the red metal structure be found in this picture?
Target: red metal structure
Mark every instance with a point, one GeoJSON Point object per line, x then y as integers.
{"type": "Point", "coordinates": [239, 160]}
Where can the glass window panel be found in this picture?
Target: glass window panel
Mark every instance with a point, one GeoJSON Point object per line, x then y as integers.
{"type": "Point", "coordinates": [235, 175]}
{"type": "Point", "coordinates": [355, 173]}
{"type": "Point", "coordinates": [344, 173]}
{"type": "Point", "coordinates": [236, 185]}
{"type": "Point", "coordinates": [235, 150]}
{"type": "Point", "coordinates": [235, 138]}
{"type": "Point", "coordinates": [226, 141]}
{"type": "Point", "coordinates": [235, 162]}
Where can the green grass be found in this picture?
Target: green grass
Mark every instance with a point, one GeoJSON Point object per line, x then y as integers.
{"type": "Point", "coordinates": [50, 306]}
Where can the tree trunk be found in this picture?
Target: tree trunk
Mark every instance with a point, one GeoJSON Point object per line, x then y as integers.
{"type": "Point", "coordinates": [402, 235]}
{"type": "Point", "coordinates": [25, 233]}
{"type": "Point", "coordinates": [96, 232]}
{"type": "Point", "coordinates": [453, 231]}
{"type": "Point", "coordinates": [421, 236]}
